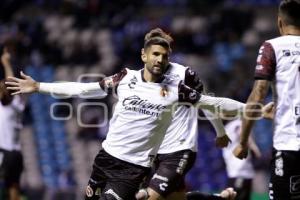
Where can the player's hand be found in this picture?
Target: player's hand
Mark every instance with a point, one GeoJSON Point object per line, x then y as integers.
{"type": "Point", "coordinates": [268, 111]}
{"type": "Point", "coordinates": [21, 86]}
{"type": "Point", "coordinates": [5, 57]}
{"type": "Point", "coordinates": [142, 194]}
{"type": "Point", "coordinates": [223, 141]}
{"type": "Point", "coordinates": [228, 194]}
{"type": "Point", "coordinates": [241, 151]}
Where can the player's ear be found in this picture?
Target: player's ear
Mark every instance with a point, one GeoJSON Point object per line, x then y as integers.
{"type": "Point", "coordinates": [143, 55]}
{"type": "Point", "coordinates": [280, 25]}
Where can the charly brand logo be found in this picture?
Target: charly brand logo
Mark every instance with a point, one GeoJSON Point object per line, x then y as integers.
{"type": "Point", "coordinates": [295, 184]}
{"type": "Point", "coordinates": [132, 83]}
{"type": "Point", "coordinates": [286, 52]}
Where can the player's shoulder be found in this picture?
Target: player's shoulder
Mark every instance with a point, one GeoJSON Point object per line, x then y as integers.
{"type": "Point", "coordinates": [130, 71]}
{"type": "Point", "coordinates": [175, 65]}
{"type": "Point", "coordinates": [176, 69]}
{"type": "Point", "coordinates": [129, 74]}
{"type": "Point", "coordinates": [282, 40]}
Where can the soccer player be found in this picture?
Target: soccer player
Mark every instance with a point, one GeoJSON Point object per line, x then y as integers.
{"type": "Point", "coordinates": [278, 63]}
{"type": "Point", "coordinates": [240, 172]}
{"type": "Point", "coordinates": [11, 159]}
{"type": "Point", "coordinates": [140, 119]}
{"type": "Point", "coordinates": [177, 153]}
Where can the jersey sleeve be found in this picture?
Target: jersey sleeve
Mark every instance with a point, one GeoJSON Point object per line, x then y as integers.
{"type": "Point", "coordinates": [224, 105]}
{"type": "Point", "coordinates": [187, 94]}
{"type": "Point", "coordinates": [192, 80]}
{"type": "Point", "coordinates": [85, 90]}
{"type": "Point", "coordinates": [266, 63]}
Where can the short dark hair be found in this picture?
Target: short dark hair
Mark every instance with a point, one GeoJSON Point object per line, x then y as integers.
{"type": "Point", "coordinates": [289, 10]}
{"type": "Point", "coordinates": [158, 37]}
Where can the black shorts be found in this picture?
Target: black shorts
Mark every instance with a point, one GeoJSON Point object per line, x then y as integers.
{"type": "Point", "coordinates": [285, 175]}
{"type": "Point", "coordinates": [114, 179]}
{"type": "Point", "coordinates": [170, 171]}
{"type": "Point", "coordinates": [11, 167]}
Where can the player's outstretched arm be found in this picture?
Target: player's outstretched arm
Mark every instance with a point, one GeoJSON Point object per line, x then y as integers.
{"type": "Point", "coordinates": [22, 85]}
{"type": "Point", "coordinates": [222, 140]}
{"type": "Point", "coordinates": [6, 62]}
{"type": "Point", "coordinates": [27, 84]}
{"type": "Point", "coordinates": [221, 104]}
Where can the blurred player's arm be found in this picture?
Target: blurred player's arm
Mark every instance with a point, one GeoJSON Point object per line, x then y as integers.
{"type": "Point", "coordinates": [253, 147]}
{"type": "Point", "coordinates": [222, 139]}
{"type": "Point", "coordinates": [6, 62]}
{"type": "Point", "coordinates": [254, 102]}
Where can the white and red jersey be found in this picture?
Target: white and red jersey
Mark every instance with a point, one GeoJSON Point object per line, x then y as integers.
{"type": "Point", "coordinates": [10, 124]}
{"type": "Point", "coordinates": [182, 133]}
{"type": "Point", "coordinates": [235, 167]}
{"type": "Point", "coordinates": [140, 120]}
{"type": "Point", "coordinates": [279, 61]}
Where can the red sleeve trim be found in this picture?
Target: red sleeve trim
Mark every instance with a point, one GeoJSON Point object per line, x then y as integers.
{"type": "Point", "coordinates": [187, 94]}
{"type": "Point", "coordinates": [266, 62]}
{"type": "Point", "coordinates": [112, 81]}
{"type": "Point", "coordinates": [192, 80]}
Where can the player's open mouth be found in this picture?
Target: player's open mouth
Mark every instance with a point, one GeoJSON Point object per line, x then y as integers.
{"type": "Point", "coordinates": [157, 67]}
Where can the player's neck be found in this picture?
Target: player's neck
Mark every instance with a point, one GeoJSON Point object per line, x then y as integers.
{"type": "Point", "coordinates": [292, 30]}
{"type": "Point", "coordinates": [149, 77]}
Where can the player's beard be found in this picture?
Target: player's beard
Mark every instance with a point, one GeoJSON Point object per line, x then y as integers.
{"type": "Point", "coordinates": [156, 70]}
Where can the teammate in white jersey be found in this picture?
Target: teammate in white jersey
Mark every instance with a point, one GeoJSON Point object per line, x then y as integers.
{"type": "Point", "coordinates": [239, 172]}
{"type": "Point", "coordinates": [177, 153]}
{"type": "Point", "coordinates": [11, 159]}
{"type": "Point", "coordinates": [278, 63]}
{"type": "Point", "coordinates": [140, 119]}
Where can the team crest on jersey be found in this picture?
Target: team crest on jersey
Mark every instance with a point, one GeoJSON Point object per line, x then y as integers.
{"type": "Point", "coordinates": [164, 91]}
{"type": "Point", "coordinates": [89, 191]}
